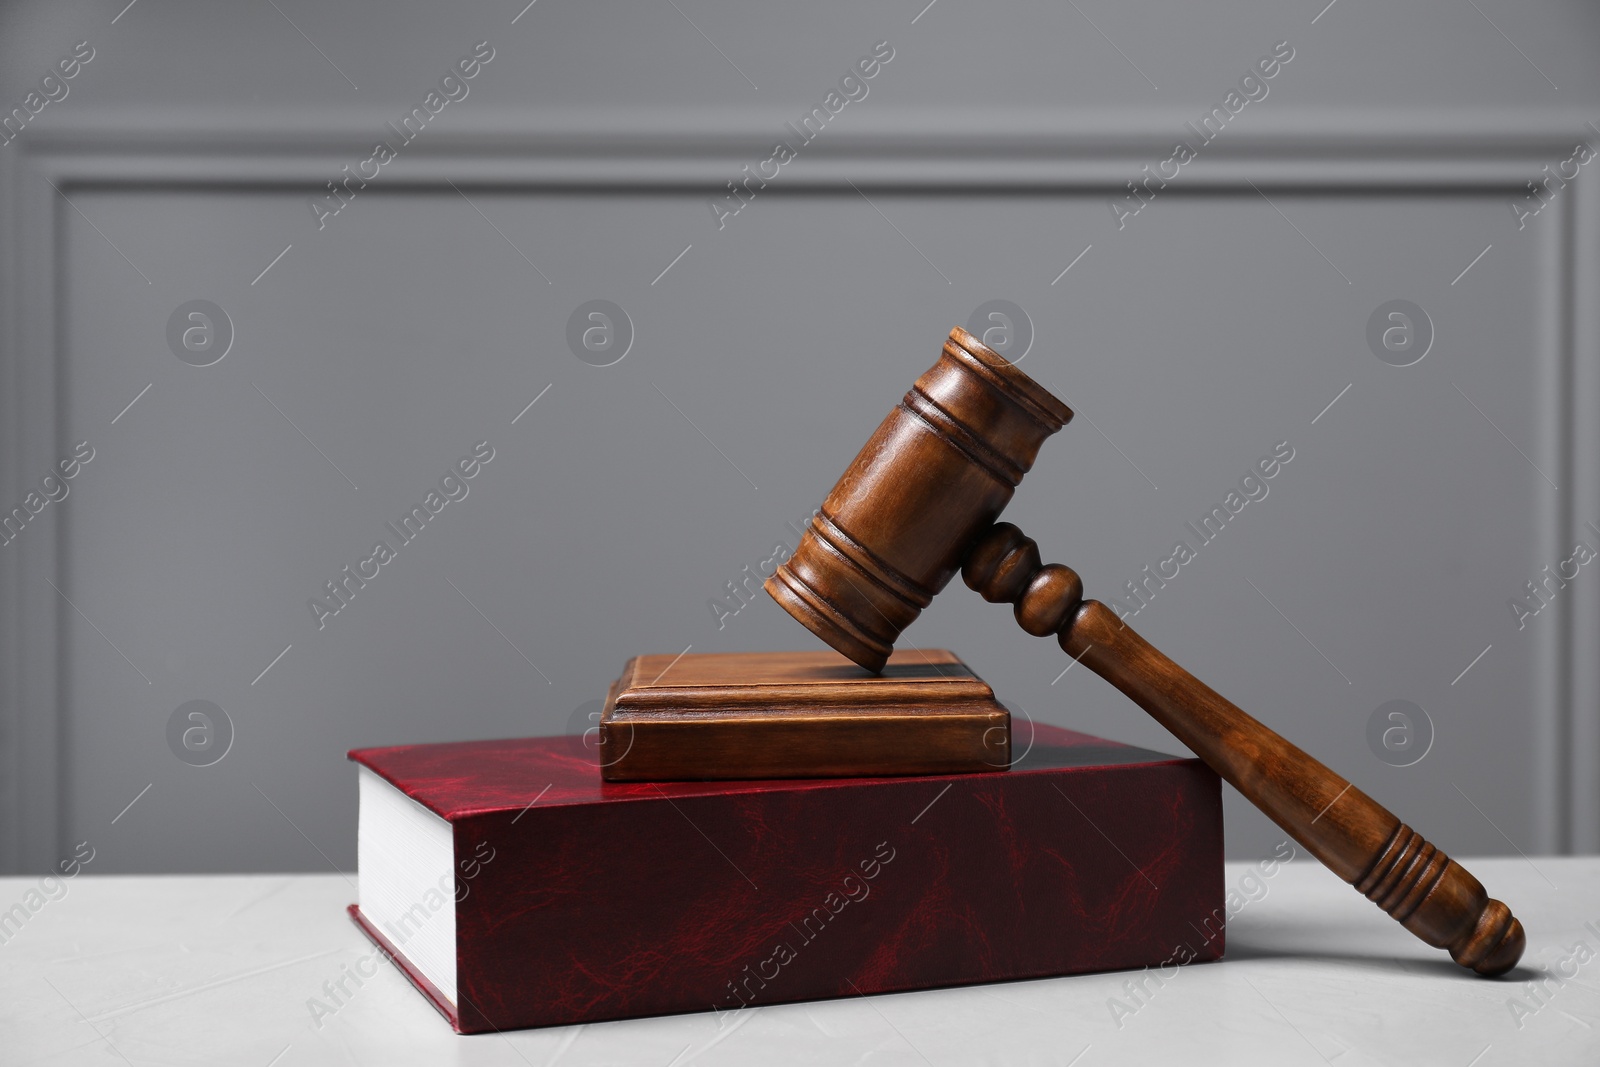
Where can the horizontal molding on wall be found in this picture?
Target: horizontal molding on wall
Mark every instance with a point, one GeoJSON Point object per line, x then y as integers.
{"type": "Point", "coordinates": [1421, 130]}
{"type": "Point", "coordinates": [916, 150]}
{"type": "Point", "coordinates": [1338, 154]}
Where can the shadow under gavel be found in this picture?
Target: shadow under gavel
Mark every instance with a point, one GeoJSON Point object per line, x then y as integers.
{"type": "Point", "coordinates": [920, 501]}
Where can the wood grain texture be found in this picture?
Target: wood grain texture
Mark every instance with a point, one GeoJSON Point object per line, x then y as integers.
{"type": "Point", "coordinates": [807, 714]}
{"type": "Point", "coordinates": [921, 498]}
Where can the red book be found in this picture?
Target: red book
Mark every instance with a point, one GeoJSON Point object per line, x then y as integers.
{"type": "Point", "coordinates": [515, 888]}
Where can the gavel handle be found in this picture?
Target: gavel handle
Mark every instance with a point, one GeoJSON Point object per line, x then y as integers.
{"type": "Point", "coordinates": [1353, 835]}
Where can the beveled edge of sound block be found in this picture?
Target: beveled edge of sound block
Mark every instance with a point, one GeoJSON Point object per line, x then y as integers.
{"type": "Point", "coordinates": [813, 714]}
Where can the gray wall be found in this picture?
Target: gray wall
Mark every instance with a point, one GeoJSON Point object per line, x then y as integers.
{"type": "Point", "coordinates": [1220, 320]}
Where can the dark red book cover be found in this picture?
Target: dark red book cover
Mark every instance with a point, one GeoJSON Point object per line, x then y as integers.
{"type": "Point", "coordinates": [612, 900]}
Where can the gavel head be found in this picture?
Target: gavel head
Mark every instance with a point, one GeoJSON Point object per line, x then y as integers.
{"type": "Point", "coordinates": [933, 478]}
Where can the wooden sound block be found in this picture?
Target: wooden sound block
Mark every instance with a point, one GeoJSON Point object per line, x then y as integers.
{"type": "Point", "coordinates": [799, 715]}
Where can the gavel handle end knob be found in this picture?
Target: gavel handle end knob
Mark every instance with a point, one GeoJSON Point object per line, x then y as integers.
{"type": "Point", "coordinates": [1496, 943]}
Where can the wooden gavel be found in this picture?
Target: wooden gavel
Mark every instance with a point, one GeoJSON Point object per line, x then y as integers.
{"type": "Point", "coordinates": [920, 501]}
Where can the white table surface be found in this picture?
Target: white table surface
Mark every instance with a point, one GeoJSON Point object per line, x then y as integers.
{"type": "Point", "coordinates": [220, 970]}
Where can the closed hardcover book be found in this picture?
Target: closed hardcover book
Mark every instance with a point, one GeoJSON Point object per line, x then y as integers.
{"type": "Point", "coordinates": [515, 888]}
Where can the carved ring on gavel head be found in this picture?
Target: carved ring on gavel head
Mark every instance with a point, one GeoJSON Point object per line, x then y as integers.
{"type": "Point", "coordinates": [920, 502]}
